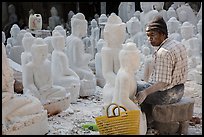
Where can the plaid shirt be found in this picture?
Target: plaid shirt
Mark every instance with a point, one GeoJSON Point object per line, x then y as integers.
{"type": "Point", "coordinates": [170, 64]}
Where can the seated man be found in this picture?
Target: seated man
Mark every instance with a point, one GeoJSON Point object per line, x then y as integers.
{"type": "Point", "coordinates": [169, 67]}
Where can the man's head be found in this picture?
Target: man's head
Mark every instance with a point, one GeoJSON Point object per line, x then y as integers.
{"type": "Point", "coordinates": [156, 31]}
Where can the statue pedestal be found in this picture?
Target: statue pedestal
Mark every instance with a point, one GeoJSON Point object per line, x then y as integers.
{"type": "Point", "coordinates": [55, 106]}
{"type": "Point", "coordinates": [88, 87]}
{"type": "Point", "coordinates": [30, 125]}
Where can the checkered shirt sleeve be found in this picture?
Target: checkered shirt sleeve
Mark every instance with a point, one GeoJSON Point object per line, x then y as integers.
{"type": "Point", "coordinates": [170, 64]}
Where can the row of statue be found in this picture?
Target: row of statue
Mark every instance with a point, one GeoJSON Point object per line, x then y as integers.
{"type": "Point", "coordinates": [61, 67]}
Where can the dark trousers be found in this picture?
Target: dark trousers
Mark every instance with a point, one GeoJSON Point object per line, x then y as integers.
{"type": "Point", "coordinates": [168, 96]}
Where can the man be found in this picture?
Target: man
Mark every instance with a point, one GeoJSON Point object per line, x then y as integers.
{"type": "Point", "coordinates": [169, 67]}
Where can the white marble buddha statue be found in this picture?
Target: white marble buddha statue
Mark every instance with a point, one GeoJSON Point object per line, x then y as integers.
{"type": "Point", "coordinates": [191, 43]}
{"type": "Point", "coordinates": [21, 114]}
{"type": "Point", "coordinates": [101, 22]}
{"type": "Point", "coordinates": [13, 40]}
{"type": "Point", "coordinates": [26, 56]}
{"type": "Point", "coordinates": [79, 60]}
{"type": "Point", "coordinates": [87, 45]}
{"type": "Point", "coordinates": [39, 82]}
{"type": "Point", "coordinates": [14, 44]}
{"type": "Point", "coordinates": [126, 84]}
{"type": "Point", "coordinates": [173, 26]}
{"type": "Point", "coordinates": [159, 6]}
{"type": "Point", "coordinates": [189, 39]}
{"type": "Point", "coordinates": [171, 12]}
{"type": "Point", "coordinates": [54, 20]}
{"type": "Point", "coordinates": [134, 28]}
{"type": "Point", "coordinates": [114, 36]}
{"type": "Point", "coordinates": [62, 74]}
{"type": "Point", "coordinates": [98, 63]}
{"type": "Point", "coordinates": [147, 63]}
{"type": "Point", "coordinates": [126, 10]}
{"type": "Point", "coordinates": [147, 14]}
{"type": "Point", "coordinates": [95, 31]}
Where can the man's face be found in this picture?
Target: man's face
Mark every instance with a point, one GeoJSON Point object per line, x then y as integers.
{"type": "Point", "coordinates": [155, 37]}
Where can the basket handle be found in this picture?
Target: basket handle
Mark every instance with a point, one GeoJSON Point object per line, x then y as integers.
{"type": "Point", "coordinates": [113, 110]}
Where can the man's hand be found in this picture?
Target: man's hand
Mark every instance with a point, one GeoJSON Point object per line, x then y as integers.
{"type": "Point", "coordinates": [141, 96]}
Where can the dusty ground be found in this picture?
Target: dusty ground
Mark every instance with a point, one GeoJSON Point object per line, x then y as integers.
{"type": "Point", "coordinates": [70, 122]}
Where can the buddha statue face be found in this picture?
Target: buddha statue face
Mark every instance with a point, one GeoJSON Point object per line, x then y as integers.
{"type": "Point", "coordinates": [58, 41]}
{"type": "Point", "coordinates": [39, 50]}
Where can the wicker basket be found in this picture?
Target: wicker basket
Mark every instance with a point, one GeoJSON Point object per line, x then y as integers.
{"type": "Point", "coordinates": [125, 123]}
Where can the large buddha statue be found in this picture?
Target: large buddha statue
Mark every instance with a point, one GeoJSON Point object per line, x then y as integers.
{"type": "Point", "coordinates": [39, 83]}
{"type": "Point", "coordinates": [21, 114]}
{"type": "Point", "coordinates": [125, 83]}
{"type": "Point", "coordinates": [62, 74]}
{"type": "Point", "coordinates": [79, 60]}
{"type": "Point", "coordinates": [114, 36]}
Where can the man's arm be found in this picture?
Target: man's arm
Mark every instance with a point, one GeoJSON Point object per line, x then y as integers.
{"type": "Point", "coordinates": [140, 97]}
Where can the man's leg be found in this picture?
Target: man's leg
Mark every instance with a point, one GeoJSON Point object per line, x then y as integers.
{"type": "Point", "coordinates": [169, 96]}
